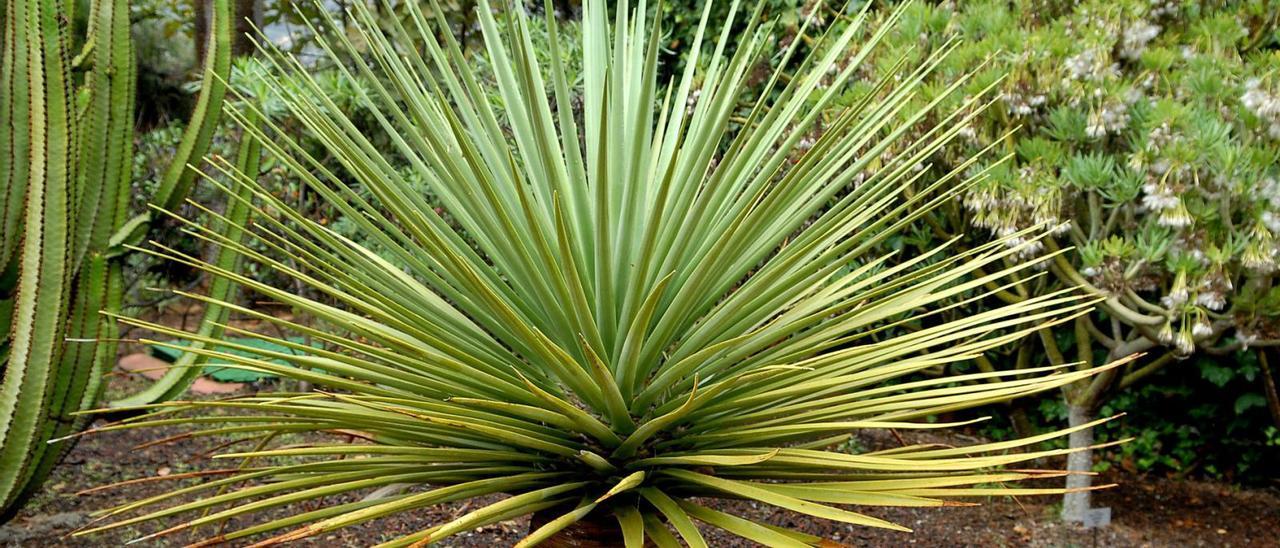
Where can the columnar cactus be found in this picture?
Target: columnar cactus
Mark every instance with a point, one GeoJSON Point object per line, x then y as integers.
{"type": "Point", "coordinates": [65, 162]}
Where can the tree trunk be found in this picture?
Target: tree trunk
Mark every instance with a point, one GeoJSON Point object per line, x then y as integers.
{"type": "Point", "coordinates": [596, 530]}
{"type": "Point", "coordinates": [1269, 387]}
{"type": "Point", "coordinates": [1022, 425]}
{"type": "Point", "coordinates": [248, 14]}
{"type": "Point", "coordinates": [201, 35]}
{"type": "Point", "coordinates": [1075, 505]}
{"type": "Point", "coordinates": [1081, 405]}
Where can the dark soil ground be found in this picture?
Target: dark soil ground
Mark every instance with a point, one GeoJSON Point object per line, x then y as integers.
{"type": "Point", "coordinates": [1146, 511]}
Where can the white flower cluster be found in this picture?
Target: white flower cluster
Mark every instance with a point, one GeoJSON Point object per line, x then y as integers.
{"type": "Point", "coordinates": [1135, 38]}
{"type": "Point", "coordinates": [1161, 136]}
{"type": "Point", "coordinates": [1022, 105]}
{"type": "Point", "coordinates": [692, 102]}
{"type": "Point", "coordinates": [1264, 104]}
{"type": "Point", "coordinates": [1162, 8]}
{"type": "Point", "coordinates": [1091, 65]}
{"type": "Point", "coordinates": [1270, 190]}
{"type": "Point", "coordinates": [1161, 198]}
{"type": "Point", "coordinates": [1175, 298]}
{"type": "Point", "coordinates": [1213, 291]}
{"type": "Point", "coordinates": [1260, 253]}
{"type": "Point", "coordinates": [1258, 259]}
{"type": "Point", "coordinates": [1193, 323]}
{"type": "Point", "coordinates": [1183, 345]}
{"type": "Point", "coordinates": [1183, 341]}
{"type": "Point", "coordinates": [1006, 211]}
{"type": "Point", "coordinates": [1166, 180]}
{"type": "Point", "coordinates": [1213, 300]}
{"type": "Point", "coordinates": [1176, 217]}
{"type": "Point", "coordinates": [1210, 292]}
{"type": "Point", "coordinates": [1111, 118]}
{"type": "Point", "coordinates": [1272, 221]}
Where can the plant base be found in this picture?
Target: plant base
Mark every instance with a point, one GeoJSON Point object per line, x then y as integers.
{"type": "Point", "coordinates": [598, 530]}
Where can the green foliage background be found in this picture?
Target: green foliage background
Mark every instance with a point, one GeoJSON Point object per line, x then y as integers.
{"type": "Point", "coordinates": [1153, 130]}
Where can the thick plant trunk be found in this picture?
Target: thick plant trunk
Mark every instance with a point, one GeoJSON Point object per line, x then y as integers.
{"type": "Point", "coordinates": [1075, 505]}
{"type": "Point", "coordinates": [201, 35]}
{"type": "Point", "coordinates": [1081, 405]}
{"type": "Point", "coordinates": [1269, 387]}
{"type": "Point", "coordinates": [597, 530]}
{"type": "Point", "coordinates": [248, 15]}
{"type": "Point", "coordinates": [1022, 426]}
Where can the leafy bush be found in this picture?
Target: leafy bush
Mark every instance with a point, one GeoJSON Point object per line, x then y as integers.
{"type": "Point", "coordinates": [648, 305]}
{"type": "Point", "coordinates": [1147, 132]}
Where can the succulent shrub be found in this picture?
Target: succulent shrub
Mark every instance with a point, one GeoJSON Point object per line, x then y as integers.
{"type": "Point", "coordinates": [66, 139]}
{"type": "Point", "coordinates": [56, 218]}
{"type": "Point", "coordinates": [618, 307]}
{"type": "Point", "coordinates": [1146, 133]}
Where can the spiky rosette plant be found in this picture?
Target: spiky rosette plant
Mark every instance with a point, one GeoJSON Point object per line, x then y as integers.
{"type": "Point", "coordinates": [629, 297]}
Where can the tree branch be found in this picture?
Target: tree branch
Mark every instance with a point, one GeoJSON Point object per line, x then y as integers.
{"type": "Point", "coordinates": [1112, 304]}
{"type": "Point", "coordinates": [1131, 378]}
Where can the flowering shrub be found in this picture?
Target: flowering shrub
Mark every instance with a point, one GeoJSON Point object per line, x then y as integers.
{"type": "Point", "coordinates": [1172, 182]}
{"type": "Point", "coordinates": [1147, 133]}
